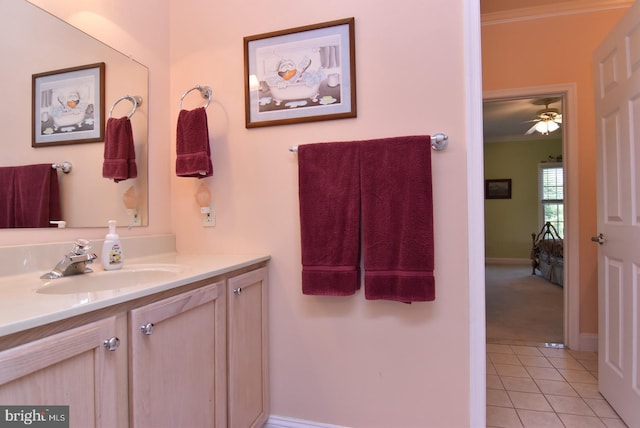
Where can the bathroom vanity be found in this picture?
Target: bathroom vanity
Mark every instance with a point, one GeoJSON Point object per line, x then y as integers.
{"type": "Point", "coordinates": [182, 344]}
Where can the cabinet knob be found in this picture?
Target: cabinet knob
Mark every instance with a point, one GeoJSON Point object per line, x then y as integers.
{"type": "Point", "coordinates": [147, 328]}
{"type": "Point", "coordinates": [111, 344]}
{"type": "Point", "coordinates": [237, 291]}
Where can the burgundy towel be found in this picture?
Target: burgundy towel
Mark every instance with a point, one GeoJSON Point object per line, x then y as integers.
{"type": "Point", "coordinates": [33, 196]}
{"type": "Point", "coordinates": [119, 150]}
{"type": "Point", "coordinates": [329, 191]}
{"type": "Point", "coordinates": [192, 144]}
{"type": "Point", "coordinates": [397, 219]}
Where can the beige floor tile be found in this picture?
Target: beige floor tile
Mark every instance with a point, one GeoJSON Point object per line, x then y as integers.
{"type": "Point", "coordinates": [520, 384]}
{"type": "Point", "coordinates": [570, 405]}
{"type": "Point", "coordinates": [566, 363]}
{"type": "Point", "coordinates": [511, 370]}
{"type": "Point", "coordinates": [613, 423]}
{"type": "Point", "coordinates": [503, 349]}
{"type": "Point", "coordinates": [498, 358]}
{"type": "Point", "coordinates": [601, 408]}
{"type": "Point", "coordinates": [555, 352]}
{"type": "Point", "coordinates": [544, 373]}
{"type": "Point", "coordinates": [493, 382]}
{"type": "Point", "coordinates": [502, 417]}
{"type": "Point", "coordinates": [490, 369]}
{"type": "Point", "coordinates": [581, 376]}
{"type": "Point", "coordinates": [526, 350]}
{"type": "Point", "coordinates": [533, 361]}
{"type": "Point", "coordinates": [535, 419]}
{"type": "Point", "coordinates": [529, 401]}
{"type": "Point", "coordinates": [584, 355]}
{"type": "Point", "coordinates": [577, 421]}
{"type": "Point", "coordinates": [589, 365]}
{"type": "Point", "coordinates": [556, 387]}
{"type": "Point", "coordinates": [496, 397]}
{"type": "Point", "coordinates": [586, 390]}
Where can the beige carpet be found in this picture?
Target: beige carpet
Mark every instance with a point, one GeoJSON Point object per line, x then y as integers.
{"type": "Point", "coordinates": [521, 307]}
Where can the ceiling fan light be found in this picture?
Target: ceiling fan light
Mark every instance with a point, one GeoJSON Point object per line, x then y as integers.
{"type": "Point", "coordinates": [552, 126]}
{"type": "Point", "coordinates": [546, 126]}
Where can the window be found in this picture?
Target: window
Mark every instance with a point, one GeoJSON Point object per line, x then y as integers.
{"type": "Point", "coordinates": [551, 185]}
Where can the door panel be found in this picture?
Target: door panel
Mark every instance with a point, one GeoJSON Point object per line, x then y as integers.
{"type": "Point", "coordinates": [617, 89]}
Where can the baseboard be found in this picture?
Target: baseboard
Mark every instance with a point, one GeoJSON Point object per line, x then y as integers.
{"type": "Point", "coordinates": [506, 261]}
{"type": "Point", "coordinates": [283, 422]}
{"type": "Point", "coordinates": [588, 342]}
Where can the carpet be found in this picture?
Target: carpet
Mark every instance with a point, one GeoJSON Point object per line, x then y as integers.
{"type": "Point", "coordinates": [522, 307]}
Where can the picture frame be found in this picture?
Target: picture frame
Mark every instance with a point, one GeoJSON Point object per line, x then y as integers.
{"type": "Point", "coordinates": [497, 188]}
{"type": "Point", "coordinates": [301, 74]}
{"type": "Point", "coordinates": [68, 106]}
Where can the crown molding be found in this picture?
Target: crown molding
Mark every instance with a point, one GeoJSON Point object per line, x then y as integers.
{"type": "Point", "coordinates": [549, 11]}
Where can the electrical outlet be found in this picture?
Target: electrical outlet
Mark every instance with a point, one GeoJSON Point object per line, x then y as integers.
{"type": "Point", "coordinates": [209, 218]}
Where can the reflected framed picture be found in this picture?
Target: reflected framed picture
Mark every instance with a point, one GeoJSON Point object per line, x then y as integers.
{"type": "Point", "coordinates": [300, 74]}
{"type": "Point", "coordinates": [497, 188]}
{"type": "Point", "coordinates": [68, 106]}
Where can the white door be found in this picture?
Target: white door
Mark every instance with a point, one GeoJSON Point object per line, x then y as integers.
{"type": "Point", "coordinates": [617, 104]}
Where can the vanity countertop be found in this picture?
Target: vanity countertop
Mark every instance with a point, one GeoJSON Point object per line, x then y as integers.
{"type": "Point", "coordinates": [22, 307]}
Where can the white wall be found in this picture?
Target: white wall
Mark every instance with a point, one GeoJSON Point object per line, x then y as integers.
{"type": "Point", "coordinates": [344, 361]}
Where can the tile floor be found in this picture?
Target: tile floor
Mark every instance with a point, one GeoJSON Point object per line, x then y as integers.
{"type": "Point", "coordinates": [536, 386]}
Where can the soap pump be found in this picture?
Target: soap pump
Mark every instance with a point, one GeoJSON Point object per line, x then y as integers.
{"type": "Point", "coordinates": [112, 257]}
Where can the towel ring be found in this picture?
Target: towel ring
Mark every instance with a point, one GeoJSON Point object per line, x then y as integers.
{"type": "Point", "coordinates": [205, 91]}
{"type": "Point", "coordinates": [136, 100]}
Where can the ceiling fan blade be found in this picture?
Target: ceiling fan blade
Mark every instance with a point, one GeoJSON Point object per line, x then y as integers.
{"type": "Point", "coordinates": [532, 129]}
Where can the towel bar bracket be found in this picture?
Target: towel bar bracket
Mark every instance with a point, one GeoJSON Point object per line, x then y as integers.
{"type": "Point", "coordinates": [64, 166]}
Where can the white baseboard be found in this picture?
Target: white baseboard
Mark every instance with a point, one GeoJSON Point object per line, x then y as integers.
{"type": "Point", "coordinates": [283, 422]}
{"type": "Point", "coordinates": [506, 261]}
{"type": "Point", "coordinates": [588, 342]}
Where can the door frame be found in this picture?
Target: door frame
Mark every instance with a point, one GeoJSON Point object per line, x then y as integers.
{"type": "Point", "coordinates": [571, 289]}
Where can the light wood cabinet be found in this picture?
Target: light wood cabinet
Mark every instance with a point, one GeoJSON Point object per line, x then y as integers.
{"type": "Point", "coordinates": [195, 356]}
{"type": "Point", "coordinates": [177, 361]}
{"type": "Point", "coordinates": [247, 348]}
{"type": "Point", "coordinates": [71, 368]}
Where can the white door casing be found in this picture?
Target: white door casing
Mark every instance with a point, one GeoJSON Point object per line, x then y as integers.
{"type": "Point", "coordinates": [617, 108]}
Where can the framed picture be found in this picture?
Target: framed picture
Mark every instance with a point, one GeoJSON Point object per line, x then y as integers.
{"type": "Point", "coordinates": [301, 74]}
{"type": "Point", "coordinates": [497, 189]}
{"type": "Point", "coordinates": [68, 106]}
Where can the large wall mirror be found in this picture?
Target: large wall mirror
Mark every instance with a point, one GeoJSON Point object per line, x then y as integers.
{"type": "Point", "coordinates": [38, 42]}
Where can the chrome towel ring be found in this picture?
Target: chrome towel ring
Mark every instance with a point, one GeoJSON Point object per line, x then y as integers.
{"type": "Point", "coordinates": [136, 100]}
{"type": "Point", "coordinates": [205, 91]}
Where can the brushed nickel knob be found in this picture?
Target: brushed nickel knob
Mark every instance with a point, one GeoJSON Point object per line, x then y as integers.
{"type": "Point", "coordinates": [111, 344]}
{"type": "Point", "coordinates": [147, 328]}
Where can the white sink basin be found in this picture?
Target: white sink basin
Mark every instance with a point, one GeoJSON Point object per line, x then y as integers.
{"type": "Point", "coordinates": [128, 276]}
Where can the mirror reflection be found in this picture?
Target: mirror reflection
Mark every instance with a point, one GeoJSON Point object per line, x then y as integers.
{"type": "Point", "coordinates": [37, 42]}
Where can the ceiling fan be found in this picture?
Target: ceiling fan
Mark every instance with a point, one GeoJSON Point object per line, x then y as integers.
{"type": "Point", "coordinates": [548, 119]}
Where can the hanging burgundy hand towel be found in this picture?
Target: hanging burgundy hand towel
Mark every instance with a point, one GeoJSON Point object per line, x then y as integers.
{"type": "Point", "coordinates": [119, 150]}
{"type": "Point", "coordinates": [36, 196]}
{"type": "Point", "coordinates": [192, 144]}
{"type": "Point", "coordinates": [329, 192]}
{"type": "Point", "coordinates": [397, 219]}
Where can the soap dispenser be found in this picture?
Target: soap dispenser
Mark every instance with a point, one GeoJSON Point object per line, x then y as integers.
{"type": "Point", "coordinates": [111, 256]}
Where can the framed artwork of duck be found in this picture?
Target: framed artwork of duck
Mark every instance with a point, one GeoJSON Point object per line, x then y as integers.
{"type": "Point", "coordinates": [68, 106]}
{"type": "Point", "coordinates": [300, 74]}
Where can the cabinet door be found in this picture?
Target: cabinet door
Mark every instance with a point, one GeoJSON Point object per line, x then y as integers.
{"type": "Point", "coordinates": [177, 363]}
{"type": "Point", "coordinates": [247, 347]}
{"type": "Point", "coordinates": [72, 368]}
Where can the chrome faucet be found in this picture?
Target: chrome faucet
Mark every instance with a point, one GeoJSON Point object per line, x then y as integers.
{"type": "Point", "coordinates": [74, 262]}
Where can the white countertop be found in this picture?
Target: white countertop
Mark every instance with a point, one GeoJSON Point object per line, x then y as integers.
{"type": "Point", "coordinates": [22, 307]}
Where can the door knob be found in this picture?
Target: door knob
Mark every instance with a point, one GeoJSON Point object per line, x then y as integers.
{"type": "Point", "coordinates": [147, 328]}
{"type": "Point", "coordinates": [599, 239]}
{"type": "Point", "coordinates": [111, 344]}
{"type": "Point", "coordinates": [237, 291]}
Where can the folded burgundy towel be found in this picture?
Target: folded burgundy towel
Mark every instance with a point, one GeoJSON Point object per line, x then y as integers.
{"type": "Point", "coordinates": [192, 144]}
{"type": "Point", "coordinates": [329, 192]}
{"type": "Point", "coordinates": [119, 150]}
{"type": "Point", "coordinates": [36, 196]}
{"type": "Point", "coordinates": [397, 219]}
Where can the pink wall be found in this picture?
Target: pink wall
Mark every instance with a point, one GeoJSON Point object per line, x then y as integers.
{"type": "Point", "coordinates": [567, 42]}
{"type": "Point", "coordinates": [344, 361]}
